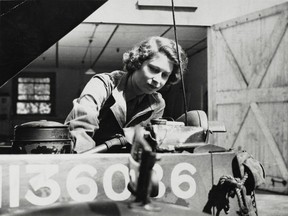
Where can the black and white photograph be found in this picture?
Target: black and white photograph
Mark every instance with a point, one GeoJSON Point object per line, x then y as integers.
{"type": "Point", "coordinates": [144, 107]}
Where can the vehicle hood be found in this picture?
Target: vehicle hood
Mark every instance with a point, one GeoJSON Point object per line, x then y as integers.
{"type": "Point", "coordinates": [30, 27]}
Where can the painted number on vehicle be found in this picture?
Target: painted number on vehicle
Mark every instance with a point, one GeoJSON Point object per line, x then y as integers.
{"type": "Point", "coordinates": [46, 184]}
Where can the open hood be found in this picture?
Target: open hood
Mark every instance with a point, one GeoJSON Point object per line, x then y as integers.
{"type": "Point", "coordinates": [29, 27]}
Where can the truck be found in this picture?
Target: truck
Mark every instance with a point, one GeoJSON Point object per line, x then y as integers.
{"type": "Point", "coordinates": [173, 167]}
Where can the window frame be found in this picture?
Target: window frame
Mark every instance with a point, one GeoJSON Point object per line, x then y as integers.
{"type": "Point", "coordinates": [51, 75]}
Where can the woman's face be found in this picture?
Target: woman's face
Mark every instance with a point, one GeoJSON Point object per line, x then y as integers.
{"type": "Point", "coordinates": [153, 74]}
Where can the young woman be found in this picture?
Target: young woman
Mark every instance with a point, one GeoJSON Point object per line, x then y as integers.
{"type": "Point", "coordinates": [112, 101]}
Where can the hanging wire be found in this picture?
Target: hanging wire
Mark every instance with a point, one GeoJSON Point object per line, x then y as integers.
{"type": "Point", "coordinates": [181, 70]}
{"type": "Point", "coordinates": [89, 44]}
{"type": "Point", "coordinates": [13, 8]}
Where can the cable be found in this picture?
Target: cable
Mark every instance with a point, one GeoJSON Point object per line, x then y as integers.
{"type": "Point", "coordinates": [13, 8]}
{"type": "Point", "coordinates": [89, 44]}
{"type": "Point", "coordinates": [181, 71]}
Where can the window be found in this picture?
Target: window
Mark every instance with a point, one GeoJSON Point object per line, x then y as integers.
{"type": "Point", "coordinates": [34, 93]}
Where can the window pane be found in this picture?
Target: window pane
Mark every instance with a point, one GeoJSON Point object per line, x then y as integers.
{"type": "Point", "coordinates": [25, 80]}
{"type": "Point", "coordinates": [42, 97]}
{"type": "Point", "coordinates": [22, 97]}
{"type": "Point", "coordinates": [21, 109]}
{"type": "Point", "coordinates": [42, 80]}
{"type": "Point", "coordinates": [25, 88]}
{"type": "Point", "coordinates": [45, 108]}
{"type": "Point", "coordinates": [42, 89]}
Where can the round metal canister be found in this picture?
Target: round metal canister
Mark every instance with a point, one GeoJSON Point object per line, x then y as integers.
{"type": "Point", "coordinates": [41, 137]}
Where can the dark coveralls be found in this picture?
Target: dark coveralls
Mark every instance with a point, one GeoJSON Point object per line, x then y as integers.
{"type": "Point", "coordinates": [101, 110]}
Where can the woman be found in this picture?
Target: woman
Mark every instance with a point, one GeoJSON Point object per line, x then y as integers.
{"type": "Point", "coordinates": [112, 101]}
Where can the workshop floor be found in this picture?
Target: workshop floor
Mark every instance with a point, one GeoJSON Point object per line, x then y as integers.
{"type": "Point", "coordinates": [271, 204]}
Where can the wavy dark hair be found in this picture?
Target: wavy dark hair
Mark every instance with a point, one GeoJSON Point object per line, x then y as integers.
{"type": "Point", "coordinates": [146, 49]}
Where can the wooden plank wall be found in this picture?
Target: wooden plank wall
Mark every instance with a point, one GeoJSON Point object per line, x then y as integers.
{"type": "Point", "coordinates": [248, 88]}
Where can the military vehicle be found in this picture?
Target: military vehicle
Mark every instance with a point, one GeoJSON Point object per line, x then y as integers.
{"type": "Point", "coordinates": [172, 168]}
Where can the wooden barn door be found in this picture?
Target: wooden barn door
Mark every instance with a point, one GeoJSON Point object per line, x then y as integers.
{"type": "Point", "coordinates": [248, 88]}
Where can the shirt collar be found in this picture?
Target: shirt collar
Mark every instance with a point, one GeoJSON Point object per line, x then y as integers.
{"type": "Point", "coordinates": [119, 108]}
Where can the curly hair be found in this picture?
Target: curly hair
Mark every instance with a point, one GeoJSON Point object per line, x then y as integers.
{"type": "Point", "coordinates": [146, 49]}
